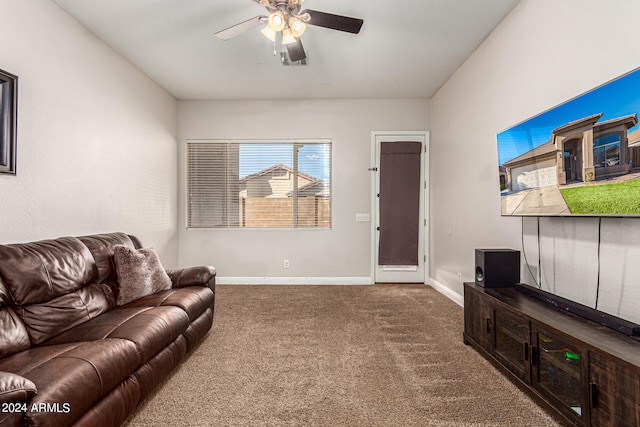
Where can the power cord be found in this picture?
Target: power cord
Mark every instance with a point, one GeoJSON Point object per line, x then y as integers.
{"type": "Point", "coordinates": [538, 281]}
{"type": "Point", "coordinates": [598, 280]}
{"type": "Point", "coordinates": [539, 257]}
{"type": "Point", "coordinates": [524, 253]}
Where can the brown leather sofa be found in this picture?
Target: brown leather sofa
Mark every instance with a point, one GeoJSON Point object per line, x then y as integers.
{"type": "Point", "coordinates": [68, 354]}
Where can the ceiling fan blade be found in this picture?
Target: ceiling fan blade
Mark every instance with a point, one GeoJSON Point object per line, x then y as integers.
{"type": "Point", "coordinates": [334, 22]}
{"type": "Point", "coordinates": [296, 51]}
{"type": "Point", "coordinates": [243, 27]}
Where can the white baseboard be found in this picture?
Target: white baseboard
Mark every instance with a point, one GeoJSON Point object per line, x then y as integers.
{"type": "Point", "coordinates": [447, 292]}
{"type": "Point", "coordinates": [294, 280]}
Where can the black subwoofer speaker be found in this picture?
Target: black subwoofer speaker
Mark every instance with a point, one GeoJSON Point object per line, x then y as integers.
{"type": "Point", "coordinates": [497, 268]}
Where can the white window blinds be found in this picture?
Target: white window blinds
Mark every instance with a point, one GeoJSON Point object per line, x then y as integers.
{"type": "Point", "coordinates": [262, 184]}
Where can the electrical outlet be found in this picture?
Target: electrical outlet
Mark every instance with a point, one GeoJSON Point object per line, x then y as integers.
{"type": "Point", "coordinates": [286, 263]}
{"type": "Point", "coordinates": [460, 277]}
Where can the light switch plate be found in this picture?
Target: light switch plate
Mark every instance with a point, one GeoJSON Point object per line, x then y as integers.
{"type": "Point", "coordinates": [362, 217]}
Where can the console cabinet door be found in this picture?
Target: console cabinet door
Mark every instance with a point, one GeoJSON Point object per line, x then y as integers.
{"type": "Point", "coordinates": [477, 318]}
{"type": "Point", "coordinates": [512, 342]}
{"type": "Point", "coordinates": [559, 372]}
{"type": "Point", "coordinates": [614, 392]}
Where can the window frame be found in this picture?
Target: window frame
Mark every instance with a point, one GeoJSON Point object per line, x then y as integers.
{"type": "Point", "coordinates": [8, 122]}
{"type": "Point", "coordinates": [284, 141]}
{"type": "Point", "coordinates": [604, 143]}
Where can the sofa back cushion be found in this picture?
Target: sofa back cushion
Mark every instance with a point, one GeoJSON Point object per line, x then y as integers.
{"type": "Point", "coordinates": [42, 271]}
{"type": "Point", "coordinates": [48, 319]}
{"type": "Point", "coordinates": [5, 296]}
{"type": "Point", "coordinates": [50, 287]}
{"type": "Point", "coordinates": [101, 247]}
{"type": "Point", "coordinates": [13, 333]}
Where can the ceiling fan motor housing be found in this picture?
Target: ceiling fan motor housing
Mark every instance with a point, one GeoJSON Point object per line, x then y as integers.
{"type": "Point", "coordinates": [288, 8]}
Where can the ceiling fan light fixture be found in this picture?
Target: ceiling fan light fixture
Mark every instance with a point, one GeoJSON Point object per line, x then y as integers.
{"type": "Point", "coordinates": [297, 26]}
{"type": "Point", "coordinates": [268, 32]}
{"type": "Point", "coordinates": [276, 21]}
{"type": "Point", "coordinates": [286, 22]}
{"type": "Point", "coordinates": [287, 36]}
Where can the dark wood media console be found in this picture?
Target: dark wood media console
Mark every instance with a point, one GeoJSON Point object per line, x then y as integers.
{"type": "Point", "coordinates": [586, 373]}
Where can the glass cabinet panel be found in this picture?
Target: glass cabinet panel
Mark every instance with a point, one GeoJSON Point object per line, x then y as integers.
{"type": "Point", "coordinates": [512, 342]}
{"type": "Point", "coordinates": [559, 371]}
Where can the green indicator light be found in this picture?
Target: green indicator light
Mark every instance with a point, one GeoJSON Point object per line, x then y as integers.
{"type": "Point", "coordinates": [571, 355]}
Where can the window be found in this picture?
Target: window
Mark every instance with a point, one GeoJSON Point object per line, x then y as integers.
{"type": "Point", "coordinates": [259, 184]}
{"type": "Point", "coordinates": [606, 151]}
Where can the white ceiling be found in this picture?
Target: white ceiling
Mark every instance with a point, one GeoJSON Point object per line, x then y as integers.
{"type": "Point", "coordinates": [406, 49]}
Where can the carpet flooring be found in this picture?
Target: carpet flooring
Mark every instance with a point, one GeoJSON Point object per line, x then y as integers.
{"type": "Point", "coordinates": [384, 355]}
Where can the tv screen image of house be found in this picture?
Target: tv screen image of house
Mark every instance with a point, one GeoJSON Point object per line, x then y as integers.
{"type": "Point", "coordinates": [579, 158]}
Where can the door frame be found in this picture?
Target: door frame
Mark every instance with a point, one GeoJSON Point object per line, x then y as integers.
{"type": "Point", "coordinates": [424, 135]}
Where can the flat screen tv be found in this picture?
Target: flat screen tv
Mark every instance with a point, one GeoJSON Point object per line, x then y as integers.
{"type": "Point", "coordinates": [579, 158]}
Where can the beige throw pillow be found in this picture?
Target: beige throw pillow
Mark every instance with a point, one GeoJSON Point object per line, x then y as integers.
{"type": "Point", "coordinates": [139, 273]}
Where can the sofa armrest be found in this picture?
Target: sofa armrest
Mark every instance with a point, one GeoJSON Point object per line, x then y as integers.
{"type": "Point", "coordinates": [193, 276]}
{"type": "Point", "coordinates": [15, 388]}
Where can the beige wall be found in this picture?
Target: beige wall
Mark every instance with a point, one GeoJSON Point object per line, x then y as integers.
{"type": "Point", "coordinates": [344, 252]}
{"type": "Point", "coordinates": [544, 53]}
{"type": "Point", "coordinates": [96, 137]}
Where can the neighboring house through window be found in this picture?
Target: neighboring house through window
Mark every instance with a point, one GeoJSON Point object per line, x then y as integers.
{"type": "Point", "coordinates": [261, 184]}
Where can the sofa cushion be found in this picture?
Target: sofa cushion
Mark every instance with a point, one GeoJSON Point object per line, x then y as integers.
{"type": "Point", "coordinates": [13, 333]}
{"type": "Point", "coordinates": [139, 273]}
{"type": "Point", "coordinates": [51, 318]}
{"type": "Point", "coordinates": [72, 377]}
{"type": "Point", "coordinates": [101, 247]}
{"type": "Point", "coordinates": [194, 300]}
{"type": "Point", "coordinates": [150, 329]}
{"type": "Point", "coordinates": [41, 271]}
{"type": "Point", "coordinates": [5, 296]}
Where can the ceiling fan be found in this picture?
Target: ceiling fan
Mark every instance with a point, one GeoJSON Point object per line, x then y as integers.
{"type": "Point", "coordinates": [288, 21]}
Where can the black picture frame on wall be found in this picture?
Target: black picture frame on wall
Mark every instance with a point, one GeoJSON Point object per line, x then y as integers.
{"type": "Point", "coordinates": [8, 122]}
